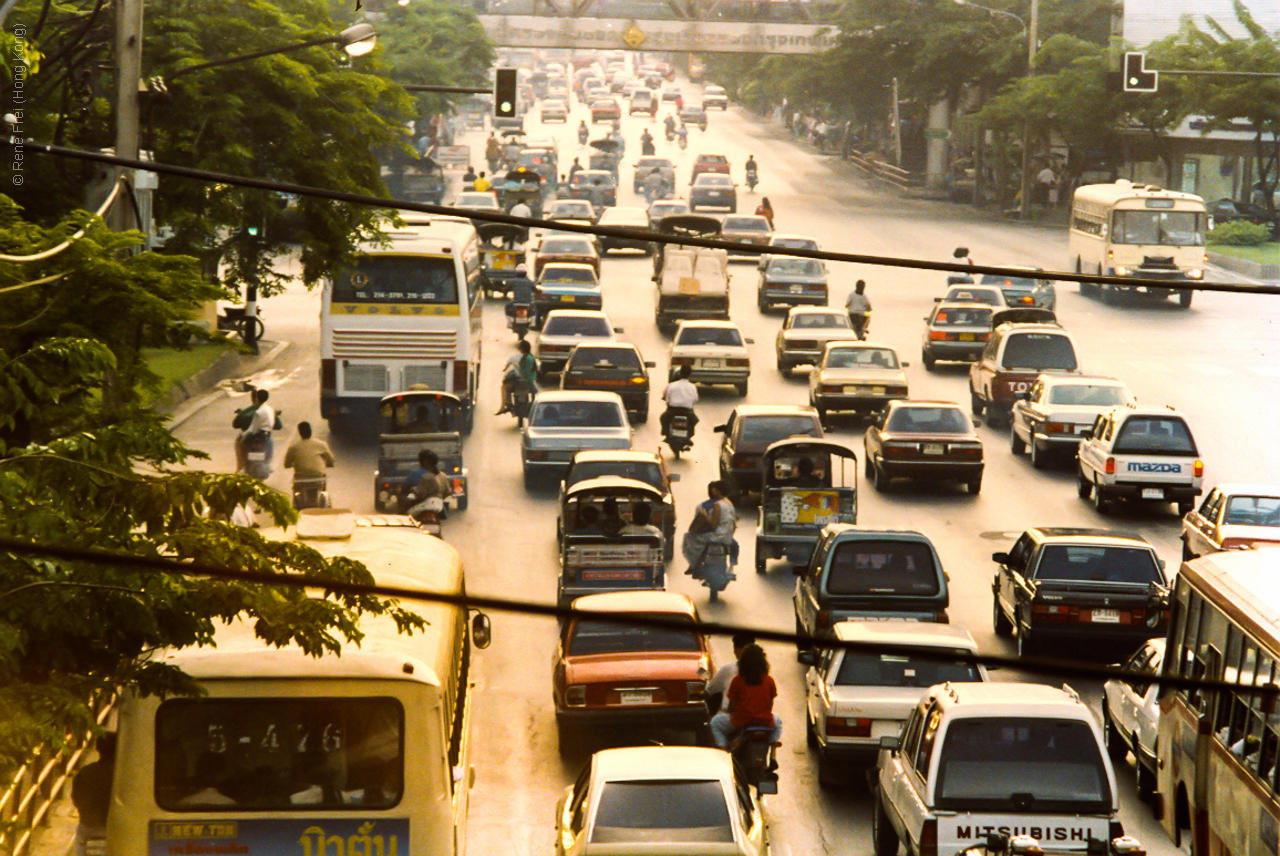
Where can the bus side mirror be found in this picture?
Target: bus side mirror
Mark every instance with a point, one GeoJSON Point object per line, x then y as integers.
{"type": "Point", "coordinates": [481, 630]}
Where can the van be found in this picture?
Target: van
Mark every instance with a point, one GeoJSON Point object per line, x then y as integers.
{"type": "Point", "coordinates": [643, 101]}
{"type": "Point", "coordinates": [289, 753]}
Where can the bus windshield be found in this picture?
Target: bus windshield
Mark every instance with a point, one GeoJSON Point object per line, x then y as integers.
{"type": "Point", "coordinates": [398, 279]}
{"type": "Point", "coordinates": [1163, 228]}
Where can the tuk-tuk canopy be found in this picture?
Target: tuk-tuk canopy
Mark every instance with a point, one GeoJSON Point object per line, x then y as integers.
{"type": "Point", "coordinates": [608, 145]}
{"type": "Point", "coordinates": [422, 412]}
{"type": "Point", "coordinates": [690, 225]}
{"type": "Point", "coordinates": [781, 459]}
{"type": "Point", "coordinates": [502, 233]}
{"type": "Point", "coordinates": [602, 487]}
{"type": "Point", "coordinates": [522, 177]}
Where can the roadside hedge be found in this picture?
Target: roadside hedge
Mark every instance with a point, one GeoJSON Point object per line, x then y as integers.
{"type": "Point", "coordinates": [1240, 233]}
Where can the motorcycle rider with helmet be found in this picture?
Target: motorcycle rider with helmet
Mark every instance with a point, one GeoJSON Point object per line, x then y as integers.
{"type": "Point", "coordinates": [753, 173]}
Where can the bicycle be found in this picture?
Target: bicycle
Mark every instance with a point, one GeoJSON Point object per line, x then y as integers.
{"type": "Point", "coordinates": [233, 320]}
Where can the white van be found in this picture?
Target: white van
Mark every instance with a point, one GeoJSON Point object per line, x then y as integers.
{"type": "Point", "coordinates": [643, 101]}
{"type": "Point", "coordinates": [286, 753]}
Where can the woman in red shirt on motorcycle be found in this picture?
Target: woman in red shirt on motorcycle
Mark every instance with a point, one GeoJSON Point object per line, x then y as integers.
{"type": "Point", "coordinates": [750, 700]}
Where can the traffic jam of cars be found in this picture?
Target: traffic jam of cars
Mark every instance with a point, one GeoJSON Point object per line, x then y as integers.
{"type": "Point", "coordinates": [895, 693]}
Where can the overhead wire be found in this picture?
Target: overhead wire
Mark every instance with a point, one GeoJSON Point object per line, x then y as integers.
{"type": "Point", "coordinates": [53, 251]}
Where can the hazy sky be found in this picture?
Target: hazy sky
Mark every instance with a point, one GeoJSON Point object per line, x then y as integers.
{"type": "Point", "coordinates": [1145, 21]}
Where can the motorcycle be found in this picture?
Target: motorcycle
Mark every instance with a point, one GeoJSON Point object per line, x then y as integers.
{"type": "Point", "coordinates": [429, 514]}
{"type": "Point", "coordinates": [583, 133]}
{"type": "Point", "coordinates": [713, 567]}
{"type": "Point", "coordinates": [861, 323]}
{"type": "Point", "coordinates": [310, 492]}
{"type": "Point", "coordinates": [684, 139]}
{"type": "Point", "coordinates": [753, 179]}
{"type": "Point", "coordinates": [257, 464]}
{"type": "Point", "coordinates": [679, 433]}
{"type": "Point", "coordinates": [521, 319]}
{"type": "Point", "coordinates": [646, 147]}
{"type": "Point", "coordinates": [702, 122]}
{"type": "Point", "coordinates": [671, 131]}
{"type": "Point", "coordinates": [754, 754]}
{"type": "Point", "coordinates": [521, 401]}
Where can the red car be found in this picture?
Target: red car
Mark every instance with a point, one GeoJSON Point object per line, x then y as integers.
{"type": "Point", "coordinates": [709, 163]}
{"type": "Point", "coordinates": [605, 110]}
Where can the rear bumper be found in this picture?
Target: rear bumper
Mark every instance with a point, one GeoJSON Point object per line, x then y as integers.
{"type": "Point", "coordinates": [652, 716]}
{"type": "Point", "coordinates": [719, 376]}
{"type": "Point", "coordinates": [785, 296]}
{"type": "Point", "coordinates": [1169, 492]}
{"type": "Point", "coordinates": [859, 403]}
{"type": "Point", "coordinates": [934, 470]}
{"type": "Point", "coordinates": [966, 352]}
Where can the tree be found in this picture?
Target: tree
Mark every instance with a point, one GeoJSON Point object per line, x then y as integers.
{"type": "Point", "coordinates": [79, 469]}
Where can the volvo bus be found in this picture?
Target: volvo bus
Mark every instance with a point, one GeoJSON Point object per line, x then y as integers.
{"type": "Point", "coordinates": [1133, 230]}
{"type": "Point", "coordinates": [1216, 751]}
{"type": "Point", "coordinates": [286, 754]}
{"type": "Point", "coordinates": [406, 315]}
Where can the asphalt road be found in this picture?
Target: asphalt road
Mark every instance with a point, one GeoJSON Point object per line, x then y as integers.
{"type": "Point", "coordinates": [1217, 362]}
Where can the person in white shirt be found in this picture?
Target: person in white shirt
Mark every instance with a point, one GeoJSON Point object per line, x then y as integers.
{"type": "Point", "coordinates": [521, 209]}
{"type": "Point", "coordinates": [859, 308]}
{"type": "Point", "coordinates": [719, 683]}
{"type": "Point", "coordinates": [263, 420]}
{"type": "Point", "coordinates": [680, 394]}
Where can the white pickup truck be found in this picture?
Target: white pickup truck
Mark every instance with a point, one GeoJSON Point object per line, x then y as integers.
{"type": "Point", "coordinates": [1142, 453]}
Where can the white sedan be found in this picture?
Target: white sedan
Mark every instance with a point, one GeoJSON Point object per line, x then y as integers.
{"type": "Point", "coordinates": [565, 329]}
{"type": "Point", "coordinates": [859, 376]}
{"type": "Point", "coordinates": [660, 799]}
{"type": "Point", "coordinates": [714, 350]}
{"type": "Point", "coordinates": [1058, 410]}
{"type": "Point", "coordinates": [1131, 714]}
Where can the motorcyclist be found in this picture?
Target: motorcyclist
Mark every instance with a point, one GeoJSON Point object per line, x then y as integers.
{"type": "Point", "coordinates": [680, 395]}
{"type": "Point", "coordinates": [583, 132]}
{"type": "Point", "coordinates": [653, 185]}
{"type": "Point", "coordinates": [859, 308]}
{"type": "Point", "coordinates": [749, 700]}
{"type": "Point", "coordinates": [493, 152]}
{"type": "Point", "coordinates": [683, 136]}
{"type": "Point", "coordinates": [520, 367]}
{"type": "Point", "coordinates": [307, 456]}
{"type": "Point", "coordinates": [646, 144]}
{"type": "Point", "coordinates": [574, 167]}
{"type": "Point", "coordinates": [481, 183]}
{"type": "Point", "coordinates": [520, 287]}
{"type": "Point", "coordinates": [469, 177]}
{"type": "Point", "coordinates": [670, 124]}
{"type": "Point", "coordinates": [753, 173]}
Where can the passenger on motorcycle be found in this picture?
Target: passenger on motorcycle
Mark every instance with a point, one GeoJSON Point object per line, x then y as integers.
{"type": "Point", "coordinates": [680, 394]}
{"type": "Point", "coordinates": [520, 287]}
{"type": "Point", "coordinates": [425, 480]}
{"type": "Point", "coordinates": [719, 683]}
{"type": "Point", "coordinates": [859, 308]}
{"type": "Point", "coordinates": [749, 700]}
{"type": "Point", "coordinates": [481, 183]}
{"type": "Point", "coordinates": [521, 367]}
{"type": "Point", "coordinates": [262, 420]}
{"type": "Point", "coordinates": [714, 522]}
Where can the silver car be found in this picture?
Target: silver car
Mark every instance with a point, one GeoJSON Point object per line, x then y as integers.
{"type": "Point", "coordinates": [561, 424]}
{"type": "Point", "coordinates": [1060, 409]}
{"type": "Point", "coordinates": [564, 330]}
{"type": "Point", "coordinates": [858, 376]}
{"type": "Point", "coordinates": [955, 331]}
{"type": "Point", "coordinates": [792, 282]}
{"type": "Point", "coordinates": [806, 332]}
{"type": "Point", "coordinates": [1131, 714]}
{"type": "Point", "coordinates": [1027, 290]}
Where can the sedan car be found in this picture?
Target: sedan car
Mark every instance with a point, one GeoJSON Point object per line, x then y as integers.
{"type": "Point", "coordinates": [660, 208]}
{"type": "Point", "coordinates": [714, 97]}
{"type": "Point", "coordinates": [561, 424]}
{"type": "Point", "coordinates": [1027, 290]}
{"type": "Point", "coordinates": [618, 368]}
{"type": "Point", "coordinates": [966, 293]}
{"type": "Point", "coordinates": [621, 217]}
{"type": "Point", "coordinates": [709, 163]}
{"type": "Point", "coordinates": [566, 285]}
{"type": "Point", "coordinates": [598, 186]}
{"type": "Point", "coordinates": [646, 467]}
{"type": "Point", "coordinates": [1058, 410]}
{"type": "Point", "coordinates": [805, 334]}
{"type": "Point", "coordinates": [555, 110]}
{"type": "Point", "coordinates": [647, 165]}
{"type": "Point", "coordinates": [745, 229]}
{"type": "Point", "coordinates": [1131, 713]}
{"type": "Point", "coordinates": [668, 799]}
{"type": "Point", "coordinates": [565, 329]}
{"type": "Point", "coordinates": [792, 282]}
{"type": "Point", "coordinates": [605, 110]}
{"type": "Point", "coordinates": [477, 200]}
{"type": "Point", "coordinates": [693, 114]}
{"type": "Point", "coordinates": [713, 191]}
{"type": "Point", "coordinates": [794, 242]}
{"type": "Point", "coordinates": [671, 92]}
{"type": "Point", "coordinates": [1232, 517]}
{"type": "Point", "coordinates": [565, 248]}
{"type": "Point", "coordinates": [859, 376]}
{"type": "Point", "coordinates": [576, 210]}
{"type": "Point", "coordinates": [715, 350]}
{"type": "Point", "coordinates": [623, 676]}
{"type": "Point", "coordinates": [926, 440]}
{"type": "Point", "coordinates": [955, 332]}
{"type": "Point", "coordinates": [750, 430]}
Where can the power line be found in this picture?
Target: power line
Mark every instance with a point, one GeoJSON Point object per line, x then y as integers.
{"type": "Point", "coordinates": [194, 568]}
{"type": "Point", "coordinates": [615, 232]}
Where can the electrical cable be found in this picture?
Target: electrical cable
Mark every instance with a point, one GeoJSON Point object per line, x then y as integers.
{"type": "Point", "coordinates": [53, 251]}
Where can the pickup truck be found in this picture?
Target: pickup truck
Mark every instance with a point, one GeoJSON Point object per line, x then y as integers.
{"type": "Point", "coordinates": [1086, 588]}
{"type": "Point", "coordinates": [1019, 350]}
{"type": "Point", "coordinates": [1136, 453]}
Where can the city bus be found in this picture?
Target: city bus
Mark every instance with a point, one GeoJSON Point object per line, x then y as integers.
{"type": "Point", "coordinates": [1126, 229]}
{"type": "Point", "coordinates": [286, 754]}
{"type": "Point", "coordinates": [406, 315]}
{"type": "Point", "coordinates": [1216, 771]}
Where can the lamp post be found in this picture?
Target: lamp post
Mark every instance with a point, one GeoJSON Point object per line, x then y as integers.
{"type": "Point", "coordinates": [1031, 29]}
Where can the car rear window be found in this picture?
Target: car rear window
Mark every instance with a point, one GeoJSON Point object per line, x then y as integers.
{"type": "Point", "coordinates": [977, 316]}
{"type": "Point", "coordinates": [571, 208]}
{"type": "Point", "coordinates": [1012, 764]}
{"type": "Point", "coordinates": [603, 636]}
{"type": "Point", "coordinates": [716, 159]}
{"type": "Point", "coordinates": [727, 336]}
{"type": "Point", "coordinates": [662, 812]}
{"type": "Point", "coordinates": [746, 224]}
{"type": "Point", "coordinates": [618, 358]}
{"type": "Point", "coordinates": [559, 273]}
{"type": "Point", "coordinates": [816, 320]}
{"type": "Point", "coordinates": [565, 245]}
{"type": "Point", "coordinates": [1020, 282]}
{"type": "Point", "coordinates": [928, 420]}
{"type": "Point", "coordinates": [804, 267]}
{"type": "Point", "coordinates": [581, 327]}
{"type": "Point", "coordinates": [861, 358]}
{"type": "Point", "coordinates": [1088, 395]}
{"type": "Point", "coordinates": [1039, 351]}
{"type": "Point", "coordinates": [989, 296]}
{"type": "Point", "coordinates": [577, 414]}
{"type": "Point", "coordinates": [1154, 434]}
{"type": "Point", "coordinates": [873, 566]}
{"type": "Point", "coordinates": [757, 430]}
{"type": "Point", "coordinates": [859, 669]}
{"type": "Point", "coordinates": [1086, 563]}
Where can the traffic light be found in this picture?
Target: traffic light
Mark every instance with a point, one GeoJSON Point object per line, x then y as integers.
{"type": "Point", "coordinates": [1136, 77]}
{"type": "Point", "coordinates": [504, 93]}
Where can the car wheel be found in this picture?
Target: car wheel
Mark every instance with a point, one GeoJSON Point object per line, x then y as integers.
{"type": "Point", "coordinates": [1082, 486]}
{"type": "Point", "coordinates": [1187, 555]}
{"type": "Point", "coordinates": [929, 362]}
{"type": "Point", "coordinates": [996, 417]}
{"type": "Point", "coordinates": [975, 486]}
{"type": "Point", "coordinates": [762, 557]}
{"type": "Point", "coordinates": [1002, 625]}
{"type": "Point", "coordinates": [785, 369]}
{"type": "Point", "coordinates": [1038, 456]}
{"type": "Point", "coordinates": [1184, 508]}
{"type": "Point", "coordinates": [822, 414]}
{"type": "Point", "coordinates": [1015, 442]}
{"type": "Point", "coordinates": [530, 480]}
{"type": "Point", "coordinates": [800, 631]}
{"type": "Point", "coordinates": [866, 466]}
{"type": "Point", "coordinates": [1100, 501]}
{"type": "Point", "coordinates": [975, 403]}
{"type": "Point", "coordinates": [742, 388]}
{"type": "Point", "coordinates": [1184, 298]}
{"type": "Point", "coordinates": [810, 733]}
{"type": "Point", "coordinates": [762, 304]}
{"type": "Point", "coordinates": [830, 775]}
{"type": "Point", "coordinates": [642, 415]}
{"type": "Point", "coordinates": [884, 838]}
{"type": "Point", "coordinates": [568, 736]}
{"type": "Point", "coordinates": [1146, 779]}
{"type": "Point", "coordinates": [879, 479]}
{"type": "Point", "coordinates": [1117, 749]}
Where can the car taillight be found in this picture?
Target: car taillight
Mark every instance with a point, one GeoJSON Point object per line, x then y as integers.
{"type": "Point", "coordinates": [682, 361]}
{"type": "Point", "coordinates": [823, 619]}
{"type": "Point", "coordinates": [1057, 428]}
{"type": "Point", "coordinates": [929, 838]}
{"type": "Point", "coordinates": [575, 696]}
{"type": "Point", "coordinates": [536, 455]}
{"type": "Point", "coordinates": [981, 337]}
{"type": "Point", "coordinates": [695, 692]}
{"type": "Point", "coordinates": [1058, 612]}
{"type": "Point", "coordinates": [938, 335]}
{"type": "Point", "coordinates": [892, 450]}
{"type": "Point", "coordinates": [738, 364]}
{"type": "Point", "coordinates": [1110, 466]}
{"type": "Point", "coordinates": [841, 726]}
{"type": "Point", "coordinates": [1198, 469]}
{"type": "Point", "coordinates": [970, 452]}
{"type": "Point", "coordinates": [832, 389]}
{"type": "Point", "coordinates": [456, 486]}
{"type": "Point", "coordinates": [461, 387]}
{"type": "Point", "coordinates": [328, 374]}
{"type": "Point", "coordinates": [896, 391]}
{"type": "Point", "coordinates": [743, 461]}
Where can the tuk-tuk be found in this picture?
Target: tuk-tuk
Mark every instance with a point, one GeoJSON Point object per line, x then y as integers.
{"type": "Point", "coordinates": [521, 185]}
{"type": "Point", "coordinates": [502, 248]}
{"type": "Point", "coordinates": [512, 145]}
{"type": "Point", "coordinates": [595, 555]}
{"type": "Point", "coordinates": [412, 421]}
{"type": "Point", "coordinates": [607, 156]}
{"type": "Point", "coordinates": [807, 484]}
{"type": "Point", "coordinates": [684, 226]}
{"type": "Point", "coordinates": [423, 182]}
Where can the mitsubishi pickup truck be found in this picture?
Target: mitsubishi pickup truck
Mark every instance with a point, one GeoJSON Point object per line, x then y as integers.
{"type": "Point", "coordinates": [1024, 343]}
{"type": "Point", "coordinates": [1139, 453]}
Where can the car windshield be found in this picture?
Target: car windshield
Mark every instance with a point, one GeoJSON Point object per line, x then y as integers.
{"type": "Point", "coordinates": [614, 358]}
{"type": "Point", "coordinates": [861, 358]}
{"type": "Point", "coordinates": [565, 246]}
{"type": "Point", "coordinates": [795, 243]}
{"type": "Point", "coordinates": [1158, 434]}
{"type": "Point", "coordinates": [975, 316]}
{"type": "Point", "coordinates": [662, 812]}
{"type": "Point", "coordinates": [572, 208]}
{"type": "Point", "coordinates": [1089, 395]}
{"type": "Point", "coordinates": [669, 208]}
{"type": "Point", "coordinates": [1039, 351]}
{"type": "Point", "coordinates": [989, 296]}
{"type": "Point", "coordinates": [577, 414]}
{"type": "Point", "coordinates": [648, 472]}
{"type": "Point", "coordinates": [746, 224]}
{"type": "Point", "coordinates": [712, 159]}
{"type": "Point", "coordinates": [802, 267]}
{"type": "Point", "coordinates": [763, 430]}
{"type": "Point", "coordinates": [577, 326]}
{"type": "Point", "coordinates": [1252, 511]}
{"type": "Point", "coordinates": [859, 669]}
{"type": "Point", "coordinates": [1011, 763]}
{"type": "Point", "coordinates": [566, 274]}
{"type": "Point", "coordinates": [591, 636]}
{"type": "Point", "coordinates": [928, 420]}
{"type": "Point", "coordinates": [879, 567]}
{"type": "Point", "coordinates": [727, 336]}
{"type": "Point", "coordinates": [815, 320]}
{"type": "Point", "coordinates": [1098, 564]}
{"type": "Point", "coordinates": [1162, 228]}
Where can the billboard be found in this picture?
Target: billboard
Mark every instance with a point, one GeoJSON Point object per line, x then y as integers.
{"type": "Point", "coordinates": [534, 31]}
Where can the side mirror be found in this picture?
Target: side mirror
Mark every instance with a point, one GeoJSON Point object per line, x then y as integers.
{"type": "Point", "coordinates": [750, 341]}
{"type": "Point", "coordinates": [481, 630]}
{"type": "Point", "coordinates": [961, 253]}
{"type": "Point", "coordinates": [720, 429]}
{"type": "Point", "coordinates": [893, 744]}
{"type": "Point", "coordinates": [617, 329]}
{"type": "Point", "coordinates": [906, 365]}
{"type": "Point", "coordinates": [935, 300]}
{"type": "Point", "coordinates": [808, 657]}
{"type": "Point", "coordinates": [649, 364]}
{"type": "Point", "coordinates": [1002, 557]}
{"type": "Point", "coordinates": [673, 477]}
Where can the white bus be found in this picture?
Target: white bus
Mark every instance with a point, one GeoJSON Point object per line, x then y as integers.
{"type": "Point", "coordinates": [285, 754]}
{"type": "Point", "coordinates": [407, 314]}
{"type": "Point", "coordinates": [1216, 752]}
{"type": "Point", "coordinates": [1127, 229]}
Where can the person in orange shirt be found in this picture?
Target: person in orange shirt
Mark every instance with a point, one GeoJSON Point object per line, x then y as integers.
{"type": "Point", "coordinates": [749, 700]}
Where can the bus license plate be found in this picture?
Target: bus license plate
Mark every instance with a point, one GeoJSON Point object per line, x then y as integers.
{"type": "Point", "coordinates": [636, 696]}
{"type": "Point", "coordinates": [1152, 493]}
{"type": "Point", "coordinates": [1106, 616]}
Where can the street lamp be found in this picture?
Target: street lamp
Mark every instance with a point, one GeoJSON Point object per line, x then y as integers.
{"type": "Point", "coordinates": [356, 40]}
{"type": "Point", "coordinates": [1024, 192]}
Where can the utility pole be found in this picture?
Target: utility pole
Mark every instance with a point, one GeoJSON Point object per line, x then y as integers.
{"type": "Point", "coordinates": [128, 77]}
{"type": "Point", "coordinates": [1033, 27]}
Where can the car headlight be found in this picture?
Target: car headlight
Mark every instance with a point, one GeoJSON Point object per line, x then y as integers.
{"type": "Point", "coordinates": [1121, 270]}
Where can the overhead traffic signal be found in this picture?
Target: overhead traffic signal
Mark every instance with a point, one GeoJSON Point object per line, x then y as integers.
{"type": "Point", "coordinates": [504, 93]}
{"type": "Point", "coordinates": [1136, 76]}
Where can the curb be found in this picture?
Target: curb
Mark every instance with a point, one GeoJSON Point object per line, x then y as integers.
{"type": "Point", "coordinates": [1251, 269]}
{"type": "Point", "coordinates": [188, 397]}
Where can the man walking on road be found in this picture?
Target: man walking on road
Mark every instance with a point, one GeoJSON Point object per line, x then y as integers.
{"type": "Point", "coordinates": [859, 308]}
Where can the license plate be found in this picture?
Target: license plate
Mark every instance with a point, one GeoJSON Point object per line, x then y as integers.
{"type": "Point", "coordinates": [568, 298]}
{"type": "Point", "coordinates": [854, 390]}
{"type": "Point", "coordinates": [636, 696]}
{"type": "Point", "coordinates": [965, 337]}
{"type": "Point", "coordinates": [932, 448]}
{"type": "Point", "coordinates": [710, 364]}
{"type": "Point", "coordinates": [1152, 493]}
{"type": "Point", "coordinates": [257, 456]}
{"type": "Point", "coordinates": [713, 193]}
{"type": "Point", "coordinates": [1106, 616]}
{"type": "Point", "coordinates": [797, 288]}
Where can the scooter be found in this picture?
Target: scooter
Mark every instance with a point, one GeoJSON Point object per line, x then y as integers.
{"type": "Point", "coordinates": [521, 401]}
{"type": "Point", "coordinates": [679, 434]}
{"type": "Point", "coordinates": [310, 492]}
{"type": "Point", "coordinates": [753, 178]}
{"type": "Point", "coordinates": [429, 514]}
{"type": "Point", "coordinates": [255, 456]}
{"type": "Point", "coordinates": [683, 136]}
{"type": "Point", "coordinates": [753, 752]}
{"type": "Point", "coordinates": [521, 319]}
{"type": "Point", "coordinates": [671, 133]}
{"type": "Point", "coordinates": [713, 568]}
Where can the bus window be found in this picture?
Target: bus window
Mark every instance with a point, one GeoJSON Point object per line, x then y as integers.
{"type": "Point", "coordinates": [1165, 228]}
{"type": "Point", "coordinates": [398, 279]}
